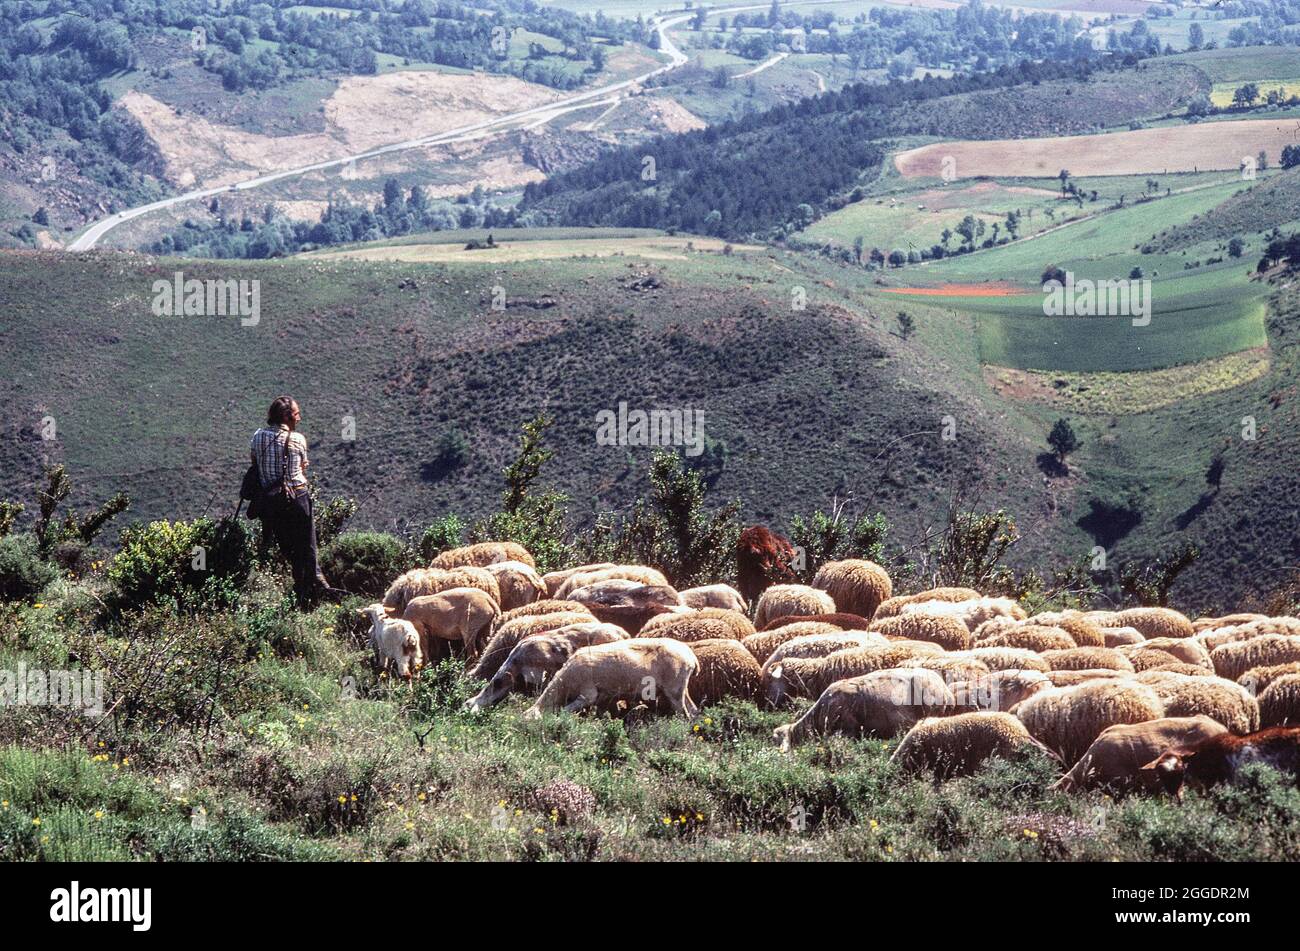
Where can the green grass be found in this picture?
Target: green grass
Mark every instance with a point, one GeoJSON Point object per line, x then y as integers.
{"type": "Point", "coordinates": [1242, 64]}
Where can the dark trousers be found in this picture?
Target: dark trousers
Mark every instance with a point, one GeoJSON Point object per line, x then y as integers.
{"type": "Point", "coordinates": [289, 521]}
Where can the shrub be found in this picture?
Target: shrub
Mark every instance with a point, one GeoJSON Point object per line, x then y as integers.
{"type": "Point", "coordinates": [23, 573]}
{"type": "Point", "coordinates": [365, 563]}
{"type": "Point", "coordinates": [444, 534]}
{"type": "Point", "coordinates": [195, 564]}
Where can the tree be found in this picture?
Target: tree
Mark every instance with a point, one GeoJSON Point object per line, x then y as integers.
{"type": "Point", "coordinates": [1290, 156]}
{"type": "Point", "coordinates": [1063, 440]}
{"type": "Point", "coordinates": [1064, 176]}
{"type": "Point", "coordinates": [1245, 95]}
{"type": "Point", "coordinates": [906, 324]}
{"type": "Point", "coordinates": [41, 216]}
{"type": "Point", "coordinates": [1261, 161]}
{"type": "Point", "coordinates": [1195, 36]}
{"type": "Point", "coordinates": [1235, 247]}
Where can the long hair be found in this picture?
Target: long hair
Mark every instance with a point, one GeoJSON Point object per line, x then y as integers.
{"type": "Point", "coordinates": [281, 411]}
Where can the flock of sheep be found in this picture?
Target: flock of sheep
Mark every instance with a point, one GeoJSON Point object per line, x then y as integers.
{"type": "Point", "coordinates": [1140, 698]}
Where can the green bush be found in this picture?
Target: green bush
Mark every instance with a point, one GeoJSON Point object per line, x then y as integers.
{"type": "Point", "coordinates": [195, 564]}
{"type": "Point", "coordinates": [23, 573]}
{"type": "Point", "coordinates": [365, 563]}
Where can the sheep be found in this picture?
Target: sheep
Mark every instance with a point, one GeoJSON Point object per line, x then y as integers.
{"type": "Point", "coordinates": [740, 625]}
{"type": "Point", "coordinates": [714, 596]}
{"type": "Point", "coordinates": [726, 670]}
{"type": "Point", "coordinates": [1102, 619]}
{"type": "Point", "coordinates": [1115, 759]}
{"type": "Point", "coordinates": [783, 599]}
{"type": "Point", "coordinates": [953, 667]}
{"type": "Point", "coordinates": [856, 585]}
{"type": "Point", "coordinates": [1032, 637]}
{"type": "Point", "coordinates": [554, 579]}
{"type": "Point", "coordinates": [948, 632]}
{"type": "Point", "coordinates": [892, 606]}
{"type": "Point", "coordinates": [999, 689]}
{"type": "Point", "coordinates": [421, 581]}
{"type": "Point", "coordinates": [959, 745]}
{"type": "Point", "coordinates": [762, 557]}
{"type": "Point", "coordinates": [972, 612]}
{"type": "Point", "coordinates": [1008, 658]}
{"type": "Point", "coordinates": [762, 644]}
{"type": "Point", "coordinates": [1156, 622]}
{"type": "Point", "coordinates": [1228, 620]}
{"type": "Point", "coordinates": [456, 614]}
{"type": "Point", "coordinates": [483, 554]}
{"type": "Point", "coordinates": [1218, 758]}
{"type": "Point", "coordinates": [627, 603]}
{"type": "Point", "coordinates": [537, 658]}
{"type": "Point", "coordinates": [1228, 702]}
{"type": "Point", "coordinates": [1087, 658]}
{"type": "Point", "coordinates": [842, 620]}
{"type": "Point", "coordinates": [1185, 649]}
{"type": "Point", "coordinates": [1083, 631]}
{"type": "Point", "coordinates": [1233, 659]}
{"type": "Point", "coordinates": [393, 639]}
{"type": "Point", "coordinates": [1279, 704]}
{"type": "Point", "coordinates": [1217, 637]}
{"type": "Point", "coordinates": [691, 627]}
{"type": "Point", "coordinates": [507, 635]}
{"type": "Point", "coordinates": [548, 606]}
{"type": "Point", "coordinates": [877, 704]}
{"type": "Point", "coordinates": [519, 584]}
{"type": "Point", "coordinates": [638, 573]}
{"type": "Point", "coordinates": [1152, 674]}
{"type": "Point", "coordinates": [820, 645]}
{"type": "Point", "coordinates": [1072, 678]}
{"type": "Point", "coordinates": [1068, 719]}
{"type": "Point", "coordinates": [808, 677]}
{"type": "Point", "coordinates": [630, 671]}
{"type": "Point", "coordinates": [1257, 679]}
{"type": "Point", "coordinates": [1120, 636]}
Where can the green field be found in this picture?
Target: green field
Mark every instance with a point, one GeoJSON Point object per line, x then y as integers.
{"type": "Point", "coordinates": [1241, 64]}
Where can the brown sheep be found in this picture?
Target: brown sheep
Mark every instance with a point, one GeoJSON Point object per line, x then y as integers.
{"type": "Point", "coordinates": [1184, 649]}
{"type": "Point", "coordinates": [1156, 622]}
{"type": "Point", "coordinates": [1069, 719]}
{"type": "Point", "coordinates": [1233, 659]}
{"type": "Point", "coordinates": [631, 671]}
{"type": "Point", "coordinates": [820, 645]}
{"type": "Point", "coordinates": [762, 558]}
{"type": "Point", "coordinates": [555, 579]}
{"type": "Point", "coordinates": [762, 645]}
{"type": "Point", "coordinates": [1009, 658]}
{"type": "Point", "coordinates": [808, 677]}
{"type": "Point", "coordinates": [726, 670]}
{"type": "Point", "coordinates": [692, 627]}
{"type": "Point", "coordinates": [959, 745]}
{"type": "Point", "coordinates": [510, 633]}
{"type": "Point", "coordinates": [627, 603]}
{"type": "Point", "coordinates": [892, 606]}
{"type": "Point", "coordinates": [638, 573]}
{"type": "Point", "coordinates": [999, 690]}
{"type": "Point", "coordinates": [1087, 658]}
{"type": "Point", "coordinates": [1257, 679]}
{"type": "Point", "coordinates": [1115, 759]}
{"type": "Point", "coordinates": [1152, 674]}
{"type": "Point", "coordinates": [714, 596]}
{"type": "Point", "coordinates": [1081, 630]}
{"type": "Point", "coordinates": [421, 581]}
{"type": "Point", "coordinates": [845, 622]}
{"type": "Point", "coordinates": [782, 599]}
{"type": "Point", "coordinates": [1217, 637]}
{"type": "Point", "coordinates": [549, 606]}
{"type": "Point", "coordinates": [456, 614]}
{"type": "Point", "coordinates": [1031, 637]}
{"type": "Point", "coordinates": [482, 555]}
{"type": "Point", "coordinates": [857, 586]}
{"type": "Point", "coordinates": [1227, 620]}
{"type": "Point", "coordinates": [1072, 678]}
{"type": "Point", "coordinates": [1121, 636]}
{"type": "Point", "coordinates": [1223, 700]}
{"type": "Point", "coordinates": [519, 584]}
{"type": "Point", "coordinates": [741, 627]}
{"type": "Point", "coordinates": [948, 632]}
{"type": "Point", "coordinates": [878, 704]}
{"type": "Point", "coordinates": [1279, 703]}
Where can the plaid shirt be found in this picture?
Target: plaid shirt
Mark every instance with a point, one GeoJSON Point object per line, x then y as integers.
{"type": "Point", "coordinates": [268, 453]}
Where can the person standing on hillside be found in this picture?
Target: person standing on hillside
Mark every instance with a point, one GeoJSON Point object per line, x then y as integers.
{"type": "Point", "coordinates": [280, 454]}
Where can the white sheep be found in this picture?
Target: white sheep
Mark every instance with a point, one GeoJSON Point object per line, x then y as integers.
{"type": "Point", "coordinates": [393, 639]}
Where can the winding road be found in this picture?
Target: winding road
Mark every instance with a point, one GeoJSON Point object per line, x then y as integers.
{"type": "Point", "coordinates": [92, 235]}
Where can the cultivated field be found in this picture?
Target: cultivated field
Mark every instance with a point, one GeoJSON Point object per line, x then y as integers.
{"type": "Point", "coordinates": [505, 251]}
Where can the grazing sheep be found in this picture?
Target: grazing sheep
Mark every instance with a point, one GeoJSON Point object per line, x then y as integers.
{"type": "Point", "coordinates": [1228, 702]}
{"type": "Point", "coordinates": [691, 627]}
{"type": "Point", "coordinates": [1217, 637]}
{"type": "Point", "coordinates": [1102, 619]}
{"type": "Point", "coordinates": [845, 622]}
{"type": "Point", "coordinates": [714, 596]}
{"type": "Point", "coordinates": [1072, 678]}
{"type": "Point", "coordinates": [1218, 758]}
{"type": "Point", "coordinates": [638, 573]}
{"type": "Point", "coordinates": [999, 690]}
{"type": "Point", "coordinates": [1081, 630]}
{"type": "Point", "coordinates": [1068, 719]}
{"type": "Point", "coordinates": [537, 658]}
{"type": "Point", "coordinates": [1233, 659]}
{"type": "Point", "coordinates": [507, 635]}
{"type": "Point", "coordinates": [1227, 620]}
{"type": "Point", "coordinates": [421, 581]}
{"type": "Point", "coordinates": [1156, 622]}
{"type": "Point", "coordinates": [726, 670]}
{"type": "Point", "coordinates": [878, 704]}
{"type": "Point", "coordinates": [762, 557]}
{"type": "Point", "coordinates": [1152, 674]}
{"type": "Point", "coordinates": [892, 606]}
{"type": "Point", "coordinates": [782, 599]}
{"type": "Point", "coordinates": [948, 632]}
{"type": "Point", "coordinates": [809, 676]}
{"type": "Point", "coordinates": [1257, 679]}
{"type": "Point", "coordinates": [856, 585]}
{"type": "Point", "coordinates": [549, 606]}
{"type": "Point", "coordinates": [483, 554]}
{"type": "Point", "coordinates": [1032, 637]}
{"type": "Point", "coordinates": [1008, 658]}
{"type": "Point", "coordinates": [631, 671]}
{"type": "Point", "coordinates": [1279, 704]}
{"type": "Point", "coordinates": [959, 745]}
{"type": "Point", "coordinates": [1115, 759]}
{"type": "Point", "coordinates": [629, 604]}
{"type": "Point", "coordinates": [1087, 658]}
{"type": "Point", "coordinates": [953, 667]}
{"type": "Point", "coordinates": [740, 625]}
{"type": "Point", "coordinates": [519, 584]}
{"type": "Point", "coordinates": [456, 614]}
{"type": "Point", "coordinates": [393, 639]}
{"type": "Point", "coordinates": [820, 645]}
{"type": "Point", "coordinates": [1185, 649]}
{"type": "Point", "coordinates": [1121, 636]}
{"type": "Point", "coordinates": [554, 579]}
{"type": "Point", "coordinates": [972, 612]}
{"type": "Point", "coordinates": [762, 644]}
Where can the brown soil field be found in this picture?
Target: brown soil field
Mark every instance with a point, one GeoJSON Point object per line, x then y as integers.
{"type": "Point", "coordinates": [1206, 145]}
